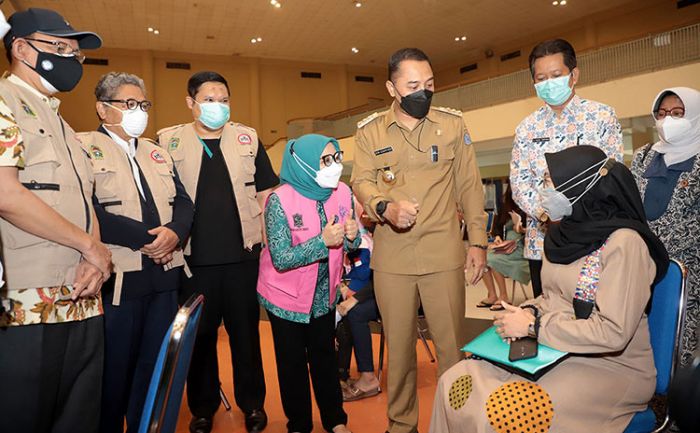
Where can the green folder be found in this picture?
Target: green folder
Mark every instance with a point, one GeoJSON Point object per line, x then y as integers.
{"type": "Point", "coordinates": [490, 347]}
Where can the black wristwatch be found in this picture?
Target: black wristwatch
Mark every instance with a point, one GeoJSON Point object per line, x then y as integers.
{"type": "Point", "coordinates": [381, 208]}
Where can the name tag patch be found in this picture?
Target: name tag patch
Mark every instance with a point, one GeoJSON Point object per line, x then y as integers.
{"type": "Point", "coordinates": [383, 150]}
{"type": "Point", "coordinates": [244, 139]}
{"type": "Point", "coordinates": [157, 157]}
{"type": "Point", "coordinates": [540, 140]}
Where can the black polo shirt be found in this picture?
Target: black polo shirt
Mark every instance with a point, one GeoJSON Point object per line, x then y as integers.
{"type": "Point", "coordinates": [217, 238]}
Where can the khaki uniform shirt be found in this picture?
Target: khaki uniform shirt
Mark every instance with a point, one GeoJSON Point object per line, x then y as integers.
{"type": "Point", "coordinates": [434, 165]}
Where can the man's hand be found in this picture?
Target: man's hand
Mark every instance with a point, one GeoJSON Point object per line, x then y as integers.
{"type": "Point", "coordinates": [345, 306]}
{"type": "Point", "coordinates": [402, 214]}
{"type": "Point", "coordinates": [351, 228]}
{"type": "Point", "coordinates": [165, 243]}
{"type": "Point", "coordinates": [164, 260]}
{"type": "Point", "coordinates": [476, 264]}
{"type": "Point", "coordinates": [100, 256]}
{"type": "Point", "coordinates": [88, 281]}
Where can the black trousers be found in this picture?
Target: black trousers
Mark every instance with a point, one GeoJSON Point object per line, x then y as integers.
{"type": "Point", "coordinates": [535, 276]}
{"type": "Point", "coordinates": [230, 293]}
{"type": "Point", "coordinates": [134, 332]}
{"type": "Point", "coordinates": [301, 349]}
{"type": "Point", "coordinates": [51, 377]}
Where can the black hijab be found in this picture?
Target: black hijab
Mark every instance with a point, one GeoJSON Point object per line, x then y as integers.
{"type": "Point", "coordinates": [612, 203]}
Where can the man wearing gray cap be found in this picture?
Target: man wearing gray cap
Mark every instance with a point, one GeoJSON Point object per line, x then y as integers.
{"type": "Point", "coordinates": [51, 335]}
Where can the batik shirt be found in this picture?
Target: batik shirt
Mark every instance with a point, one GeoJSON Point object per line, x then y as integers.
{"type": "Point", "coordinates": [44, 304]}
{"type": "Point", "coordinates": [581, 122]}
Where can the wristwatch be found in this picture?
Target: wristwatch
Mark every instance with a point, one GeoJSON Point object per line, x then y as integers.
{"type": "Point", "coordinates": [381, 208]}
{"type": "Point", "coordinates": [481, 247]}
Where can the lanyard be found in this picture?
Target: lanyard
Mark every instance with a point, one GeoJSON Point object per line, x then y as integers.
{"type": "Point", "coordinates": [210, 154]}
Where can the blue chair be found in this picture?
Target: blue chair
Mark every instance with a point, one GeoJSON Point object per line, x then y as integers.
{"type": "Point", "coordinates": [162, 406]}
{"type": "Point", "coordinates": [666, 321]}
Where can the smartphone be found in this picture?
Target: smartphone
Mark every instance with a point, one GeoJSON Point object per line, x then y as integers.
{"type": "Point", "coordinates": [522, 348]}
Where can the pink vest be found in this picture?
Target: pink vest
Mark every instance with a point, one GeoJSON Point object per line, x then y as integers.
{"type": "Point", "coordinates": [293, 290]}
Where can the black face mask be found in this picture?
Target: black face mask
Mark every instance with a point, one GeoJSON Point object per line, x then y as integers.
{"type": "Point", "coordinates": [63, 73]}
{"type": "Point", "coordinates": [417, 104]}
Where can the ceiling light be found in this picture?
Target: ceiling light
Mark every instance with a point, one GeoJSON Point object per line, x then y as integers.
{"type": "Point", "coordinates": [253, 41]}
{"type": "Point", "coordinates": [150, 29]}
{"type": "Point", "coordinates": [559, 3]}
{"type": "Point", "coordinates": [156, 32]}
{"type": "Point", "coordinates": [457, 38]}
{"type": "Point", "coordinates": [354, 50]}
{"type": "Point", "coordinates": [276, 3]}
{"type": "Point", "coordinates": [358, 4]}
{"type": "Point", "coordinates": [460, 38]}
{"type": "Point", "coordinates": [259, 39]}
{"type": "Point", "coordinates": [464, 38]}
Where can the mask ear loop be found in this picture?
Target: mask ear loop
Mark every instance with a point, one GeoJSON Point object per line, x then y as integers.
{"type": "Point", "coordinates": [301, 162]}
{"type": "Point", "coordinates": [594, 166]}
{"type": "Point", "coordinates": [602, 172]}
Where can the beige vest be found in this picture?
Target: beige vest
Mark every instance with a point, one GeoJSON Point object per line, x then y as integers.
{"type": "Point", "coordinates": [116, 191]}
{"type": "Point", "coordinates": [57, 170]}
{"type": "Point", "coordinates": [239, 145]}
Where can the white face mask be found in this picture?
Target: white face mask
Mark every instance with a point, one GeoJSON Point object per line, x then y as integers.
{"type": "Point", "coordinates": [48, 86]}
{"type": "Point", "coordinates": [557, 205]}
{"type": "Point", "coordinates": [134, 122]}
{"type": "Point", "coordinates": [671, 129]}
{"type": "Point", "coordinates": [327, 177]}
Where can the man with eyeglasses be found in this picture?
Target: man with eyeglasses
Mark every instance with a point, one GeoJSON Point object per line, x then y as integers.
{"type": "Point", "coordinates": [227, 172]}
{"type": "Point", "coordinates": [51, 334]}
{"type": "Point", "coordinates": [563, 121]}
{"type": "Point", "coordinates": [145, 217]}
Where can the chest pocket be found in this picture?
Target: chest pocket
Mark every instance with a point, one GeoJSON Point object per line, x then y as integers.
{"type": "Point", "coordinates": [247, 158]}
{"type": "Point", "coordinates": [40, 174]}
{"type": "Point", "coordinates": [106, 182]}
{"type": "Point", "coordinates": [167, 179]}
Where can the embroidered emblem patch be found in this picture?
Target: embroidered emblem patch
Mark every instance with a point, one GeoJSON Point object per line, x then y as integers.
{"type": "Point", "coordinates": [467, 138]}
{"type": "Point", "coordinates": [174, 143]}
{"type": "Point", "coordinates": [520, 407]}
{"type": "Point", "coordinates": [96, 152]}
{"type": "Point", "coordinates": [244, 139]}
{"type": "Point", "coordinates": [27, 109]}
{"type": "Point", "coordinates": [157, 157]}
{"type": "Point", "coordinates": [343, 212]}
{"type": "Point", "coordinates": [298, 221]}
{"type": "Point", "coordinates": [460, 391]}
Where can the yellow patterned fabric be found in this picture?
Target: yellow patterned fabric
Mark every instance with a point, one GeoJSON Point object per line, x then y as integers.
{"type": "Point", "coordinates": [459, 391]}
{"type": "Point", "coordinates": [47, 305]}
{"type": "Point", "coordinates": [520, 407]}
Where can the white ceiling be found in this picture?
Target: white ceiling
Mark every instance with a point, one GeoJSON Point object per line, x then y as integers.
{"type": "Point", "coordinates": [321, 30]}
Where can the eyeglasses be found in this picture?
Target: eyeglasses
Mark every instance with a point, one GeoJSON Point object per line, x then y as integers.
{"type": "Point", "coordinates": [329, 158]}
{"type": "Point", "coordinates": [62, 49]}
{"type": "Point", "coordinates": [132, 104]}
{"type": "Point", "coordinates": [675, 112]}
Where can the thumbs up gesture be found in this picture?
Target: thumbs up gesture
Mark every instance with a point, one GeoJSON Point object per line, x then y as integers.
{"type": "Point", "coordinates": [351, 228]}
{"type": "Point", "coordinates": [333, 234]}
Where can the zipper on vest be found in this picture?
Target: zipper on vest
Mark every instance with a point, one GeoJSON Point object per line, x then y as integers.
{"type": "Point", "coordinates": [34, 185]}
{"type": "Point", "coordinates": [88, 219]}
{"type": "Point", "coordinates": [111, 203]}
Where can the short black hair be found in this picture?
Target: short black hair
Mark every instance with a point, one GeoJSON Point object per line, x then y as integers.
{"type": "Point", "coordinates": [405, 54]}
{"type": "Point", "coordinates": [196, 81]}
{"type": "Point", "coordinates": [550, 47]}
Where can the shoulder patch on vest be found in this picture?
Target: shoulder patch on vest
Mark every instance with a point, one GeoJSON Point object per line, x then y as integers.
{"type": "Point", "coordinates": [244, 139]}
{"type": "Point", "coordinates": [170, 128]}
{"type": "Point", "coordinates": [448, 110]}
{"type": "Point", "coordinates": [157, 157]}
{"type": "Point", "coordinates": [26, 108]}
{"type": "Point", "coordinates": [96, 153]}
{"type": "Point", "coordinates": [367, 120]}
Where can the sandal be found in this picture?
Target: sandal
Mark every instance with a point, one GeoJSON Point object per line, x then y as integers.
{"type": "Point", "coordinates": [354, 393]}
{"type": "Point", "coordinates": [496, 307]}
{"type": "Point", "coordinates": [484, 304]}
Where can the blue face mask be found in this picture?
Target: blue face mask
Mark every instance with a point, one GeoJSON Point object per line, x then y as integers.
{"type": "Point", "coordinates": [213, 115]}
{"type": "Point", "coordinates": [554, 91]}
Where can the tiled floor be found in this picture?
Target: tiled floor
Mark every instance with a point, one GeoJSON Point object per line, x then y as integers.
{"type": "Point", "coordinates": [365, 416]}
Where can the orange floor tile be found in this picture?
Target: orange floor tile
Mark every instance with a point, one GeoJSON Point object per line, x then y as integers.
{"type": "Point", "coordinates": [365, 416]}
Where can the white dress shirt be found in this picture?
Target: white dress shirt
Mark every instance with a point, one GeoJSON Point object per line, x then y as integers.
{"type": "Point", "coordinates": [130, 149]}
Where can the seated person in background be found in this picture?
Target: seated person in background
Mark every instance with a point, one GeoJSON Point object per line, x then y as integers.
{"type": "Point", "coordinates": [505, 256]}
{"type": "Point", "coordinates": [599, 264]}
{"type": "Point", "coordinates": [358, 308]}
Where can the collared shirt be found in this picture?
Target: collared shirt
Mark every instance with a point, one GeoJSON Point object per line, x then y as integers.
{"type": "Point", "coordinates": [51, 101]}
{"type": "Point", "coordinates": [434, 165]}
{"type": "Point", "coordinates": [129, 147]}
{"type": "Point", "coordinates": [581, 122]}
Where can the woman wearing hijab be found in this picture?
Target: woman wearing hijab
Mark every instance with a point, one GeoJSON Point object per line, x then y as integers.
{"type": "Point", "coordinates": [310, 225]}
{"type": "Point", "coordinates": [668, 176]}
{"type": "Point", "coordinates": [600, 262]}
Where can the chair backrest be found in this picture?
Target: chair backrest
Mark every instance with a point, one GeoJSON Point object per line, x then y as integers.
{"type": "Point", "coordinates": [666, 320]}
{"type": "Point", "coordinates": [162, 406]}
{"type": "Point", "coordinates": [490, 217]}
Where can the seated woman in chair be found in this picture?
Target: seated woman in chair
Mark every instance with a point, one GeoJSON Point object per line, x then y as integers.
{"type": "Point", "coordinates": [358, 309]}
{"type": "Point", "coordinates": [600, 262]}
{"type": "Point", "coordinates": [505, 256]}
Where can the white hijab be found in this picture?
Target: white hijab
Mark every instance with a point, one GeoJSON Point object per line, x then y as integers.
{"type": "Point", "coordinates": [688, 146]}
